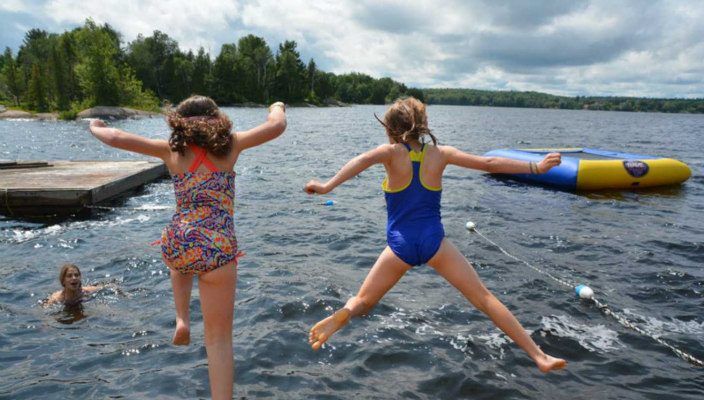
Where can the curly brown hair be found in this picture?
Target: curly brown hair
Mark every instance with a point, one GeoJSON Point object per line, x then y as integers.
{"type": "Point", "coordinates": [198, 120]}
{"type": "Point", "coordinates": [406, 120]}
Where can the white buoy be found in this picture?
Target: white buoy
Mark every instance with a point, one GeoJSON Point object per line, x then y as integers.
{"type": "Point", "coordinates": [470, 226]}
{"type": "Point", "coordinates": [584, 292]}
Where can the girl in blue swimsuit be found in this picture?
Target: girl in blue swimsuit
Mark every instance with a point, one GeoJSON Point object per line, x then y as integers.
{"type": "Point", "coordinates": [414, 232]}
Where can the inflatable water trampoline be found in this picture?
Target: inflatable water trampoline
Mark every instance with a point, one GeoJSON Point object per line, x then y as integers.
{"type": "Point", "coordinates": [584, 169]}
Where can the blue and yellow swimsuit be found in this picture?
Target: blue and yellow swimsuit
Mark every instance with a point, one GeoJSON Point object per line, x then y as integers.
{"type": "Point", "coordinates": [414, 230]}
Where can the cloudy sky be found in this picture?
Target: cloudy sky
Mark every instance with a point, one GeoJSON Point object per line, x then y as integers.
{"type": "Point", "coordinates": [593, 47]}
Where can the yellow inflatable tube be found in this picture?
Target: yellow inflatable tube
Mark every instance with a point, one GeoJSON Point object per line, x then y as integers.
{"type": "Point", "coordinates": [603, 174]}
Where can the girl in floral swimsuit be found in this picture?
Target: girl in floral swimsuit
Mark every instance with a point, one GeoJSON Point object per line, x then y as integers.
{"type": "Point", "coordinates": [200, 240]}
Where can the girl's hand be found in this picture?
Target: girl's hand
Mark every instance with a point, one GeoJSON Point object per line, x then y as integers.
{"type": "Point", "coordinates": [96, 123]}
{"type": "Point", "coordinates": [550, 160]}
{"type": "Point", "coordinates": [278, 104]}
{"type": "Point", "coordinates": [314, 186]}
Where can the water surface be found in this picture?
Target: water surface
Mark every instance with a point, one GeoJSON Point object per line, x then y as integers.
{"type": "Point", "coordinates": [641, 251]}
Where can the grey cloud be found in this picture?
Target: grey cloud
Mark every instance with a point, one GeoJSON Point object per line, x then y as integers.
{"type": "Point", "coordinates": [393, 18]}
{"type": "Point", "coordinates": [521, 14]}
{"type": "Point", "coordinates": [518, 53]}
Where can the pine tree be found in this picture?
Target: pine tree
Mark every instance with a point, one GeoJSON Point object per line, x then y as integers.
{"type": "Point", "coordinates": [36, 90]}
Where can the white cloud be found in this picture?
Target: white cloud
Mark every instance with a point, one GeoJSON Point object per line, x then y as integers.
{"type": "Point", "coordinates": [643, 48]}
{"type": "Point", "coordinates": [15, 6]}
{"type": "Point", "coordinates": [191, 23]}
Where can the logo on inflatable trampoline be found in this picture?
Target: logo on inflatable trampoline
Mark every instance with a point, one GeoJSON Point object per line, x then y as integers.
{"type": "Point", "coordinates": [636, 169]}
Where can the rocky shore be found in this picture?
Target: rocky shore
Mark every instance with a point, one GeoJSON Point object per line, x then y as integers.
{"type": "Point", "coordinates": [95, 112]}
{"type": "Point", "coordinates": [105, 112]}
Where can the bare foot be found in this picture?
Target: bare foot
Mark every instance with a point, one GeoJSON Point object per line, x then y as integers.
{"type": "Point", "coordinates": [182, 335]}
{"type": "Point", "coordinates": [548, 363]}
{"type": "Point", "coordinates": [325, 328]}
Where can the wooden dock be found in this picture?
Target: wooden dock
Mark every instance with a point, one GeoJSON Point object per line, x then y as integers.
{"type": "Point", "coordinates": [46, 188]}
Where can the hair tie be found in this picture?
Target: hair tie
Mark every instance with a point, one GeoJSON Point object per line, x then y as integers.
{"type": "Point", "coordinates": [380, 121]}
{"type": "Point", "coordinates": [200, 118]}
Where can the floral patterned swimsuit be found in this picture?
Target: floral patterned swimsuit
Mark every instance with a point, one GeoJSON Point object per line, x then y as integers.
{"type": "Point", "coordinates": [201, 235]}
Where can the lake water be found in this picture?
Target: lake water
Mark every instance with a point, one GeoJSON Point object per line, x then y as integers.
{"type": "Point", "coordinates": [641, 252]}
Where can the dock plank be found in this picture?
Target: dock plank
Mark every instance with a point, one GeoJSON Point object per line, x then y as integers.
{"type": "Point", "coordinates": [67, 186]}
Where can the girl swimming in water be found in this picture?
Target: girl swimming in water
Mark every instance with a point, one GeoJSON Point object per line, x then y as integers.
{"type": "Point", "coordinates": [414, 233]}
{"type": "Point", "coordinates": [73, 292]}
{"type": "Point", "coordinates": [200, 240]}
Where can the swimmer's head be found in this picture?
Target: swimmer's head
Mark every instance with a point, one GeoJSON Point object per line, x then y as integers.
{"type": "Point", "coordinates": [198, 120]}
{"type": "Point", "coordinates": [407, 120]}
{"type": "Point", "coordinates": [70, 277]}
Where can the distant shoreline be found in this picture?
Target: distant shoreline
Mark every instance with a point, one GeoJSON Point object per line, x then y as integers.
{"type": "Point", "coordinates": [475, 97]}
{"type": "Point", "coordinates": [618, 104]}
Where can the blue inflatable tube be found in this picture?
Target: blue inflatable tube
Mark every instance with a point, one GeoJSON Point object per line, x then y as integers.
{"type": "Point", "coordinates": [591, 169]}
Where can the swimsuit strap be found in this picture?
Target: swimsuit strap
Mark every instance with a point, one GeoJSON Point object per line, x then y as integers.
{"type": "Point", "coordinates": [422, 146]}
{"type": "Point", "coordinates": [200, 158]}
{"type": "Point", "coordinates": [416, 156]}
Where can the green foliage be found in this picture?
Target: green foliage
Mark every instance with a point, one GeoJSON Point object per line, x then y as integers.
{"type": "Point", "coordinates": [325, 85]}
{"type": "Point", "coordinates": [417, 93]}
{"type": "Point", "coordinates": [225, 75]}
{"type": "Point", "coordinates": [202, 78]}
{"type": "Point", "coordinates": [12, 78]}
{"type": "Point", "coordinates": [256, 65]}
{"type": "Point", "coordinates": [130, 92]}
{"type": "Point", "coordinates": [88, 66]}
{"type": "Point", "coordinates": [158, 62]}
{"type": "Point", "coordinates": [97, 71]}
{"type": "Point", "coordinates": [290, 81]}
{"type": "Point", "coordinates": [68, 115]}
{"type": "Point", "coordinates": [36, 92]}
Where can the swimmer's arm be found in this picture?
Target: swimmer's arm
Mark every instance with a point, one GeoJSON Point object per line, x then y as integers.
{"type": "Point", "coordinates": [54, 298]}
{"type": "Point", "coordinates": [91, 289]}
{"type": "Point", "coordinates": [128, 141]}
{"type": "Point", "coordinates": [499, 165]}
{"type": "Point", "coordinates": [354, 167]}
{"type": "Point", "coordinates": [271, 129]}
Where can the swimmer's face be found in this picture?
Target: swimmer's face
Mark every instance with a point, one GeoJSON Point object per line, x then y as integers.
{"type": "Point", "coordinates": [72, 280]}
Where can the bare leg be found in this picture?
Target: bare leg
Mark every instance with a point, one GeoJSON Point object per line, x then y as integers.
{"type": "Point", "coordinates": [181, 285]}
{"type": "Point", "coordinates": [217, 303]}
{"type": "Point", "coordinates": [387, 270]}
{"type": "Point", "coordinates": [454, 267]}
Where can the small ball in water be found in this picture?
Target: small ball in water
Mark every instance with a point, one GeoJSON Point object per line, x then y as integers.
{"type": "Point", "coordinates": [470, 225]}
{"type": "Point", "coordinates": [584, 292]}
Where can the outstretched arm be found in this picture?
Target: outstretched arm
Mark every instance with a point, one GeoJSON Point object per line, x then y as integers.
{"type": "Point", "coordinates": [500, 165]}
{"type": "Point", "coordinates": [127, 141]}
{"type": "Point", "coordinates": [271, 129]}
{"type": "Point", "coordinates": [381, 154]}
{"type": "Point", "coordinates": [54, 298]}
{"type": "Point", "coordinates": [91, 289]}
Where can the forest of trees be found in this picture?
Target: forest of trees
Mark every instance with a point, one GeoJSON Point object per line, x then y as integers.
{"type": "Point", "coordinates": [472, 97]}
{"type": "Point", "coordinates": [90, 66]}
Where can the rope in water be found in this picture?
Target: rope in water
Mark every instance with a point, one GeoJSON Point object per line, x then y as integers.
{"type": "Point", "coordinates": [589, 295]}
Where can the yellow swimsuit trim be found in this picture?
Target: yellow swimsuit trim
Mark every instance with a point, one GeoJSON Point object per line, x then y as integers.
{"type": "Point", "coordinates": [414, 156]}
